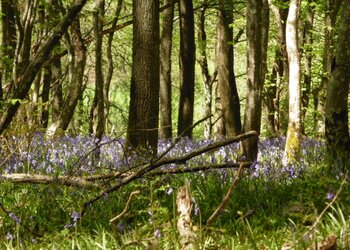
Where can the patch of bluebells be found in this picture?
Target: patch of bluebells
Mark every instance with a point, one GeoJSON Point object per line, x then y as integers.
{"type": "Point", "coordinates": [77, 155]}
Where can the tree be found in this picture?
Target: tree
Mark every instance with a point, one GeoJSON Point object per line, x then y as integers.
{"type": "Point", "coordinates": [279, 72]}
{"type": "Point", "coordinates": [257, 37]}
{"type": "Point", "coordinates": [208, 78]}
{"type": "Point", "coordinates": [320, 93]}
{"type": "Point", "coordinates": [8, 42]}
{"type": "Point", "coordinates": [292, 148]}
{"type": "Point", "coordinates": [97, 120]}
{"type": "Point", "coordinates": [77, 52]}
{"type": "Point", "coordinates": [226, 78]}
{"type": "Point", "coordinates": [110, 68]}
{"type": "Point", "coordinates": [307, 44]}
{"type": "Point", "coordinates": [28, 72]}
{"type": "Point", "coordinates": [187, 70]}
{"type": "Point", "coordinates": [144, 89]}
{"type": "Point", "coordinates": [337, 119]}
{"type": "Point", "coordinates": [165, 130]}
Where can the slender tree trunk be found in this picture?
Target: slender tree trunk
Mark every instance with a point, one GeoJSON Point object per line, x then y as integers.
{"type": "Point", "coordinates": [279, 73]}
{"type": "Point", "coordinates": [187, 63]}
{"type": "Point", "coordinates": [257, 37]}
{"type": "Point", "coordinates": [97, 120]}
{"type": "Point", "coordinates": [226, 77]}
{"type": "Point", "coordinates": [307, 50]}
{"type": "Point", "coordinates": [9, 38]}
{"type": "Point", "coordinates": [203, 63]}
{"type": "Point", "coordinates": [337, 119]}
{"type": "Point", "coordinates": [56, 88]}
{"type": "Point", "coordinates": [144, 89]}
{"type": "Point", "coordinates": [320, 93]}
{"type": "Point", "coordinates": [292, 148]}
{"type": "Point", "coordinates": [110, 68]}
{"type": "Point", "coordinates": [165, 130]}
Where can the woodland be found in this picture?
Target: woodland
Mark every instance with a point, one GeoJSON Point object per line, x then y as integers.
{"type": "Point", "coordinates": [174, 124]}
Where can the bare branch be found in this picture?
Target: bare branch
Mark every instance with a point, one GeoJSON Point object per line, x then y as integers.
{"type": "Point", "coordinates": [45, 179]}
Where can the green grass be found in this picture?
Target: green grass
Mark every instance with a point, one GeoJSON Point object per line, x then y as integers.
{"type": "Point", "coordinates": [265, 212]}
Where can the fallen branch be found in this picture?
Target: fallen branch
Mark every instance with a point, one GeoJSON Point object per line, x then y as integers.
{"type": "Point", "coordinates": [143, 170]}
{"type": "Point", "coordinates": [46, 179]}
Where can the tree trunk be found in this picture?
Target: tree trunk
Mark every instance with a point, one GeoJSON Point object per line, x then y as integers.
{"type": "Point", "coordinates": [307, 50]}
{"type": "Point", "coordinates": [144, 90]}
{"type": "Point", "coordinates": [187, 63]}
{"type": "Point", "coordinates": [292, 148]}
{"type": "Point", "coordinates": [165, 131]}
{"type": "Point", "coordinates": [226, 77]}
{"type": "Point", "coordinates": [203, 63]}
{"type": "Point", "coordinates": [279, 73]}
{"type": "Point", "coordinates": [29, 73]}
{"type": "Point", "coordinates": [110, 68]}
{"type": "Point", "coordinates": [9, 38]}
{"type": "Point", "coordinates": [78, 60]}
{"type": "Point", "coordinates": [337, 119]}
{"type": "Point", "coordinates": [257, 37]}
{"type": "Point", "coordinates": [328, 51]}
{"type": "Point", "coordinates": [97, 118]}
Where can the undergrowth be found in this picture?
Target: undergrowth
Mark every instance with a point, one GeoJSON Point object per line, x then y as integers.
{"type": "Point", "coordinates": [273, 206]}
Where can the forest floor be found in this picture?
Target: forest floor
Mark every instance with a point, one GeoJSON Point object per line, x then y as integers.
{"type": "Point", "coordinates": [300, 206]}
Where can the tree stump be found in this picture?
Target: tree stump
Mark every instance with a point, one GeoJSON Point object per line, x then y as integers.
{"type": "Point", "coordinates": [184, 207]}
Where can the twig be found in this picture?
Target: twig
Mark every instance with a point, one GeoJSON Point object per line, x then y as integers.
{"type": "Point", "coordinates": [126, 207]}
{"type": "Point", "coordinates": [227, 197]}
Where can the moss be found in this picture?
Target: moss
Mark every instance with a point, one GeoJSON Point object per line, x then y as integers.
{"type": "Point", "coordinates": [292, 149]}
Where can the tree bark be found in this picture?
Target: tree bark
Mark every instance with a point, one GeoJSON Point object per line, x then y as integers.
{"type": "Point", "coordinates": [292, 148]}
{"type": "Point", "coordinates": [226, 78]}
{"type": "Point", "coordinates": [307, 51]}
{"type": "Point", "coordinates": [110, 68]}
{"type": "Point", "coordinates": [187, 71]}
{"type": "Point", "coordinates": [279, 75]}
{"type": "Point", "coordinates": [9, 38]}
{"type": "Point", "coordinates": [27, 76]}
{"type": "Point", "coordinates": [97, 118]}
{"type": "Point", "coordinates": [78, 60]}
{"type": "Point", "coordinates": [320, 93]}
{"type": "Point", "coordinates": [165, 131]}
{"type": "Point", "coordinates": [144, 90]}
{"type": "Point", "coordinates": [257, 37]}
{"type": "Point", "coordinates": [203, 63]}
{"type": "Point", "coordinates": [337, 119]}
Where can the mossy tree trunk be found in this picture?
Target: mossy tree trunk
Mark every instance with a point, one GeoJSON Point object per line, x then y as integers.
{"type": "Point", "coordinates": [292, 147]}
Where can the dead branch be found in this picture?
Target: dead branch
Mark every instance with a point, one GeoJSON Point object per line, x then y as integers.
{"type": "Point", "coordinates": [46, 179]}
{"type": "Point", "coordinates": [227, 197]}
{"type": "Point", "coordinates": [143, 170]}
{"type": "Point", "coordinates": [126, 207]}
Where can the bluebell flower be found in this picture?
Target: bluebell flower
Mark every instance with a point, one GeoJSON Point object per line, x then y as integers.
{"type": "Point", "coordinates": [157, 234]}
{"type": "Point", "coordinates": [15, 218]}
{"type": "Point", "coordinates": [9, 236]}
